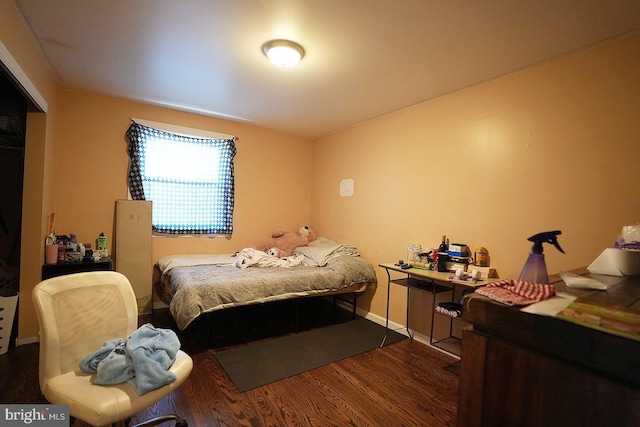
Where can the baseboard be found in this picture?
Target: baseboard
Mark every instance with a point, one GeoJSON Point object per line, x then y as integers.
{"type": "Point", "coordinates": [159, 305]}
{"type": "Point", "coordinates": [25, 341]}
{"type": "Point", "coordinates": [417, 336]}
{"type": "Point", "coordinates": [373, 317]}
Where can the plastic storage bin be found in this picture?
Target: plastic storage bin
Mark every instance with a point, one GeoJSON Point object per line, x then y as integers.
{"type": "Point", "coordinates": [8, 304]}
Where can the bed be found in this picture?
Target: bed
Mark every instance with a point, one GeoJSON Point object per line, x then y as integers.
{"type": "Point", "coordinates": [194, 284]}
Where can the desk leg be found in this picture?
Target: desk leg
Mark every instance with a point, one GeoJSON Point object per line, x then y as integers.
{"type": "Point", "coordinates": [386, 324]}
{"type": "Point", "coordinates": [408, 306]}
{"type": "Point", "coordinates": [433, 317]}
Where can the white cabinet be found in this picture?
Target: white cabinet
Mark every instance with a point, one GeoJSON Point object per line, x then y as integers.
{"type": "Point", "coordinates": [133, 250]}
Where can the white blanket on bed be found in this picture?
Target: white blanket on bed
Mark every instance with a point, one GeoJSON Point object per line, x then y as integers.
{"type": "Point", "coordinates": [252, 257]}
{"type": "Point", "coordinates": [322, 250]}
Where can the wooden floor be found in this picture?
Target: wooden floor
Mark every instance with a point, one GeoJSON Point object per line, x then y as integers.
{"type": "Point", "coordinates": [403, 384]}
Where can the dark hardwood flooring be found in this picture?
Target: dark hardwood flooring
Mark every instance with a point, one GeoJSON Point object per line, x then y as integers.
{"type": "Point", "coordinates": [403, 384]}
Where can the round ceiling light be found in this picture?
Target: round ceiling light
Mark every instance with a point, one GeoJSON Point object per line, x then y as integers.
{"type": "Point", "coordinates": [283, 53]}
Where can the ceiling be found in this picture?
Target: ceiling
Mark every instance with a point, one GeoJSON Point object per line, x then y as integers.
{"type": "Point", "coordinates": [364, 58]}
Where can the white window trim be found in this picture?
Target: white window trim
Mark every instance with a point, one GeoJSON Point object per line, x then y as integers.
{"type": "Point", "coordinates": [184, 131]}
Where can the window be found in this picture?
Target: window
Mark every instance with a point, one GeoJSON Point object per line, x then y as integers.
{"type": "Point", "coordinates": [189, 179]}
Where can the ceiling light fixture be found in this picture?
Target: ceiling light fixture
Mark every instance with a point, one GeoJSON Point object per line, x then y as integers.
{"type": "Point", "coordinates": [283, 53]}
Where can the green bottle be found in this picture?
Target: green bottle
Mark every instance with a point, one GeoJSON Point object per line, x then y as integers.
{"type": "Point", "coordinates": [102, 242]}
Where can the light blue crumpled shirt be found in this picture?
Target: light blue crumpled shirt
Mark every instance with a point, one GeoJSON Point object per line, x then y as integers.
{"type": "Point", "coordinates": [143, 360]}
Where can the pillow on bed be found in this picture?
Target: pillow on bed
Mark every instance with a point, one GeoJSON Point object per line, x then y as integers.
{"type": "Point", "coordinates": [323, 250]}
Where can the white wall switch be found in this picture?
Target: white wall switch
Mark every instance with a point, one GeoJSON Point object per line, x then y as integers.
{"type": "Point", "coordinates": [346, 188]}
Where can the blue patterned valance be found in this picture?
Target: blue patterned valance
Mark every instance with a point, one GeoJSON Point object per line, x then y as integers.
{"type": "Point", "coordinates": [189, 180]}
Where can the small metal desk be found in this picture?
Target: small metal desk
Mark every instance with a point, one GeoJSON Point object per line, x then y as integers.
{"type": "Point", "coordinates": [432, 282]}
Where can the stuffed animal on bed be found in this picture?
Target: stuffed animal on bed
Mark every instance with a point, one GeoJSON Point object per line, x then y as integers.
{"type": "Point", "coordinates": [282, 243]}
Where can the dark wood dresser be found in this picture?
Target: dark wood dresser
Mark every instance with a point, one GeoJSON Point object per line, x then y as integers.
{"type": "Point", "coordinates": [54, 270]}
{"type": "Point", "coordinates": [523, 369]}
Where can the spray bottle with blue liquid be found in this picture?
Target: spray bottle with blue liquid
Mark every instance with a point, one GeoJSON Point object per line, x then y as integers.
{"type": "Point", "coordinates": [535, 270]}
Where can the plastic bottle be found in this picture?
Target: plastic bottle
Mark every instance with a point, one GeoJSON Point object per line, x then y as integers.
{"type": "Point", "coordinates": [535, 269]}
{"type": "Point", "coordinates": [481, 256]}
{"type": "Point", "coordinates": [102, 242]}
{"type": "Point", "coordinates": [413, 249]}
{"type": "Point", "coordinates": [62, 254]}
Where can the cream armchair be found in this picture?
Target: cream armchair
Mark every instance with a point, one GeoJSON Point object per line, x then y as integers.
{"type": "Point", "coordinates": [77, 313]}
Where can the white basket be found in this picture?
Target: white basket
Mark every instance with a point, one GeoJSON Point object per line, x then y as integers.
{"type": "Point", "coordinates": [8, 304]}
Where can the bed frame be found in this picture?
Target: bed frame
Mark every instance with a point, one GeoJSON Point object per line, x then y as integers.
{"type": "Point", "coordinates": [347, 296]}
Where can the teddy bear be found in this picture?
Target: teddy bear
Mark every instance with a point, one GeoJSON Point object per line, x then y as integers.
{"type": "Point", "coordinates": [282, 243]}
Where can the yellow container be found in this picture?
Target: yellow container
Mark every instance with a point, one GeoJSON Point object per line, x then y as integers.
{"type": "Point", "coordinates": [481, 256]}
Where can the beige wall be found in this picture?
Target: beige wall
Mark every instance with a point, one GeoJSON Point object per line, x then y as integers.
{"type": "Point", "coordinates": [273, 173]}
{"type": "Point", "coordinates": [552, 147]}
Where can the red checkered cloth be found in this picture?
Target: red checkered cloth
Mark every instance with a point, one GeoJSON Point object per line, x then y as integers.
{"type": "Point", "coordinates": [516, 292]}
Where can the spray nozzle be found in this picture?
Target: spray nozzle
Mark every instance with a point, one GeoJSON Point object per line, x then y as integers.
{"type": "Point", "coordinates": [545, 237]}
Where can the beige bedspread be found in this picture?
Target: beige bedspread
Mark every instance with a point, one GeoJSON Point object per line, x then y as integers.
{"type": "Point", "coordinates": [203, 288]}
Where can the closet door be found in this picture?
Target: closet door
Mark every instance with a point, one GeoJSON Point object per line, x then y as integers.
{"type": "Point", "coordinates": [133, 249]}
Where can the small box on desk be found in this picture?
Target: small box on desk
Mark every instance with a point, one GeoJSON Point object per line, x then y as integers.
{"type": "Point", "coordinates": [458, 250]}
{"type": "Point", "coordinates": [453, 266]}
{"type": "Point", "coordinates": [485, 272]}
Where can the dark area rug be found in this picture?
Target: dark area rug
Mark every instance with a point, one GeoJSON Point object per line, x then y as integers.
{"type": "Point", "coordinates": [267, 361]}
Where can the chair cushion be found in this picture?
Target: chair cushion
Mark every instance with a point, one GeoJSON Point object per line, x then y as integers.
{"type": "Point", "coordinates": [100, 405]}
